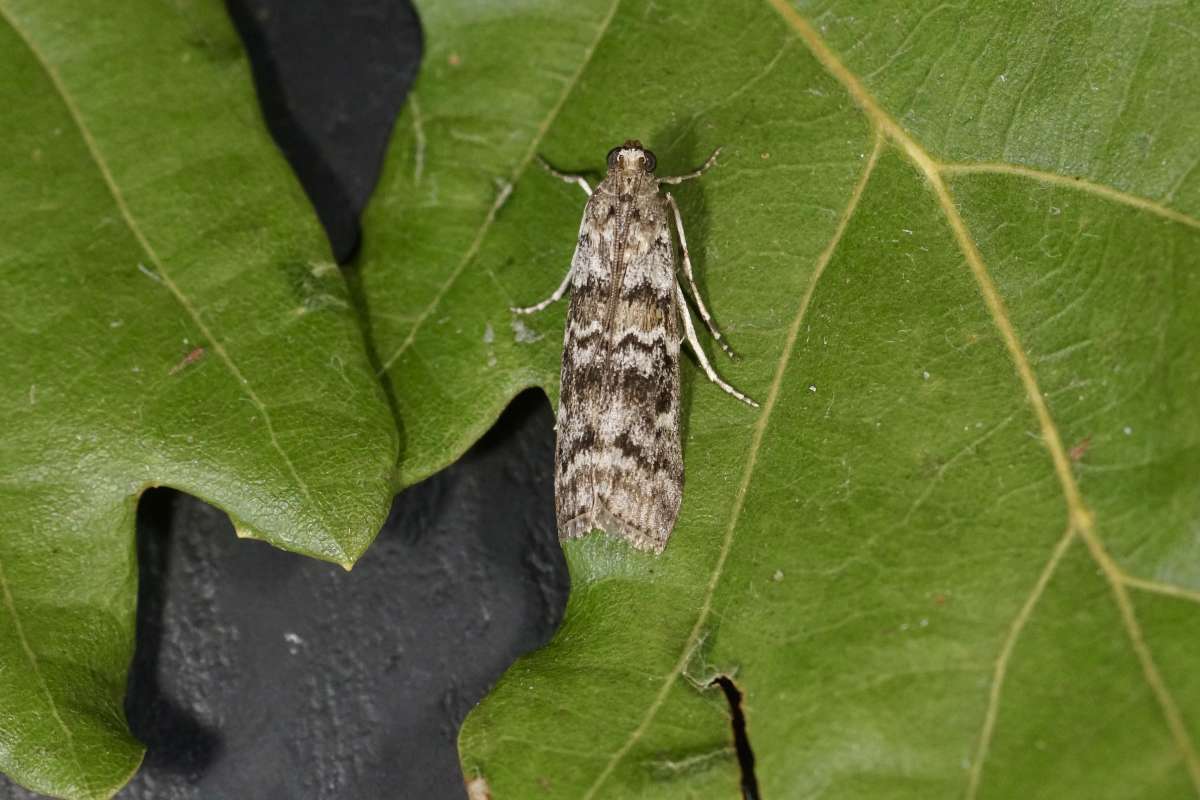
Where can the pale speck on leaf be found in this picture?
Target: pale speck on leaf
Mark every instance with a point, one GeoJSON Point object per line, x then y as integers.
{"type": "Point", "coordinates": [523, 333]}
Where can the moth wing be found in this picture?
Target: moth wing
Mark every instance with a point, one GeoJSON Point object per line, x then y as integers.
{"type": "Point", "coordinates": [620, 457]}
{"type": "Point", "coordinates": [640, 483]}
{"type": "Point", "coordinates": [582, 379]}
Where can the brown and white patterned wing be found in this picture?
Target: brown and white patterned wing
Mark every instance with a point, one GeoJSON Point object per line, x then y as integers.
{"type": "Point", "coordinates": [620, 457]}
{"type": "Point", "coordinates": [585, 356]}
{"type": "Point", "coordinates": [642, 459]}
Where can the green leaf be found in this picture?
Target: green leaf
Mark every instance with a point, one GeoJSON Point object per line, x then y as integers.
{"type": "Point", "coordinates": [958, 247]}
{"type": "Point", "coordinates": [169, 318]}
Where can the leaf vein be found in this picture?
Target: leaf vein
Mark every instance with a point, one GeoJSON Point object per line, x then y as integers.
{"type": "Point", "coordinates": [1158, 587]}
{"type": "Point", "coordinates": [1006, 650]}
{"type": "Point", "coordinates": [903, 48]}
{"type": "Point", "coordinates": [748, 472]}
{"type": "Point", "coordinates": [1080, 184]}
{"type": "Point", "coordinates": [418, 139]}
{"type": "Point", "coordinates": [31, 656]}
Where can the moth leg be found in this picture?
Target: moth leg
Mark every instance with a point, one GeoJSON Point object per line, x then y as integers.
{"type": "Point", "coordinates": [554, 298]}
{"type": "Point", "coordinates": [687, 270]}
{"type": "Point", "coordinates": [699, 351]}
{"type": "Point", "coordinates": [562, 176]}
{"type": "Point", "coordinates": [705, 167]}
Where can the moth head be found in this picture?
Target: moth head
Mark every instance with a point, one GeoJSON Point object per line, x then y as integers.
{"type": "Point", "coordinates": [631, 157]}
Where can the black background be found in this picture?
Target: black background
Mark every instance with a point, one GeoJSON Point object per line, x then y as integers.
{"type": "Point", "coordinates": [261, 674]}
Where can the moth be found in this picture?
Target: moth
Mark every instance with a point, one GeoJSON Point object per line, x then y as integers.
{"type": "Point", "coordinates": [619, 457]}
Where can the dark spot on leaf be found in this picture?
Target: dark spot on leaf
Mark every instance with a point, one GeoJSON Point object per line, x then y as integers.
{"type": "Point", "coordinates": [192, 357]}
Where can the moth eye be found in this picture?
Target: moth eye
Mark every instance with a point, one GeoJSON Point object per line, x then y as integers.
{"type": "Point", "coordinates": [650, 161]}
{"type": "Point", "coordinates": [611, 158]}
